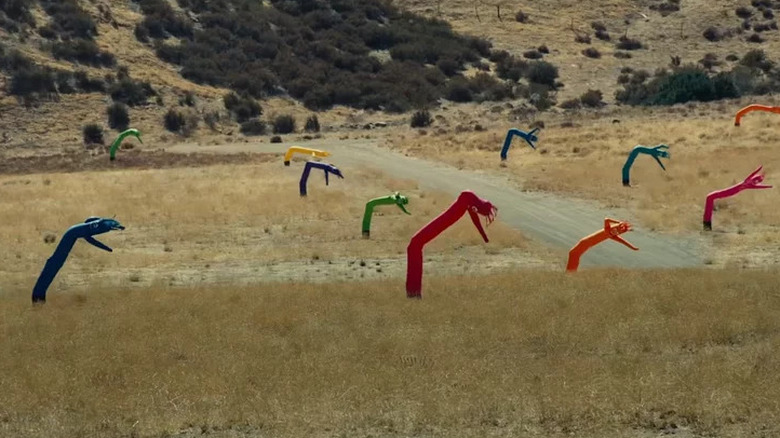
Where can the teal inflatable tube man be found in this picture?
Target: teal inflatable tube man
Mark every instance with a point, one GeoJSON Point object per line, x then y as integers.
{"type": "Point", "coordinates": [529, 137]}
{"type": "Point", "coordinates": [657, 152]}
{"type": "Point", "coordinates": [92, 226]}
{"type": "Point", "coordinates": [396, 198]}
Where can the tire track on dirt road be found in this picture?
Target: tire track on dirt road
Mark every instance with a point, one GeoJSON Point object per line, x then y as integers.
{"type": "Point", "coordinates": [548, 218]}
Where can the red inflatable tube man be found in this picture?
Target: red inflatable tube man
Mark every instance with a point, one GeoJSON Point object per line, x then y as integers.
{"type": "Point", "coordinates": [467, 201]}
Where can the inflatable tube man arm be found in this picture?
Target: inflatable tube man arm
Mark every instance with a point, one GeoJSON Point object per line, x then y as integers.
{"type": "Point", "coordinates": [615, 228]}
{"type": "Point", "coordinates": [531, 138]}
{"type": "Point", "coordinates": [485, 209]}
{"type": "Point", "coordinates": [97, 243]}
{"type": "Point", "coordinates": [400, 201]}
{"type": "Point", "coordinates": [329, 168]}
{"type": "Point", "coordinates": [660, 151]}
{"type": "Point", "coordinates": [754, 180]}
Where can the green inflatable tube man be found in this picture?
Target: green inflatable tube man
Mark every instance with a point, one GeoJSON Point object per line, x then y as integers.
{"type": "Point", "coordinates": [396, 198]}
{"type": "Point", "coordinates": [115, 145]}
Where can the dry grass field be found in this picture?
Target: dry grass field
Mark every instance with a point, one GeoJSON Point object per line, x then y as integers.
{"type": "Point", "coordinates": [231, 224]}
{"type": "Point", "coordinates": [233, 308]}
{"type": "Point", "coordinates": [531, 353]}
{"type": "Point", "coordinates": [584, 158]}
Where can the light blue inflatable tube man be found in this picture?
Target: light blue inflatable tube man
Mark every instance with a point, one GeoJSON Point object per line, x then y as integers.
{"type": "Point", "coordinates": [328, 168]}
{"type": "Point", "coordinates": [92, 226]}
{"type": "Point", "coordinates": [530, 138]}
{"type": "Point", "coordinates": [657, 152]}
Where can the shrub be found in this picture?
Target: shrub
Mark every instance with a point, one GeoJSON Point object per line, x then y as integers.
{"type": "Point", "coordinates": [87, 84]}
{"type": "Point", "coordinates": [603, 35]}
{"type": "Point", "coordinates": [458, 91]}
{"type": "Point", "coordinates": [188, 99]}
{"type": "Point", "coordinates": [626, 43]}
{"type": "Point", "coordinates": [242, 107]}
{"type": "Point", "coordinates": [756, 59]}
{"type": "Point", "coordinates": [743, 12]}
{"type": "Point", "coordinates": [622, 55]}
{"type": "Point", "coordinates": [582, 38]}
{"type": "Point", "coordinates": [570, 104]}
{"type": "Point", "coordinates": [591, 52]}
{"type": "Point", "coordinates": [709, 61]}
{"type": "Point", "coordinates": [542, 72]}
{"type": "Point", "coordinates": [84, 52]}
{"type": "Point", "coordinates": [131, 92]}
{"type": "Point", "coordinates": [312, 124]}
{"type": "Point", "coordinates": [93, 134]}
{"type": "Point", "coordinates": [762, 27]}
{"type": "Point", "coordinates": [598, 26]}
{"type": "Point", "coordinates": [511, 68]}
{"type": "Point", "coordinates": [284, 124]}
{"type": "Point", "coordinates": [174, 120]}
{"type": "Point", "coordinates": [448, 66]}
{"type": "Point", "coordinates": [253, 127]}
{"type": "Point", "coordinates": [592, 98]}
{"type": "Point", "coordinates": [141, 33]}
{"type": "Point", "coordinates": [521, 17]}
{"type": "Point", "coordinates": [421, 119]}
{"type": "Point", "coordinates": [713, 34]}
{"type": "Point", "coordinates": [543, 49]}
{"type": "Point", "coordinates": [118, 117]}
{"type": "Point", "coordinates": [755, 38]}
{"type": "Point", "coordinates": [532, 54]}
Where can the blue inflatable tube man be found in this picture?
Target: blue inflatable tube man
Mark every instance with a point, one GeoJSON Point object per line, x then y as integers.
{"type": "Point", "coordinates": [529, 137]}
{"type": "Point", "coordinates": [328, 168]}
{"type": "Point", "coordinates": [92, 226]}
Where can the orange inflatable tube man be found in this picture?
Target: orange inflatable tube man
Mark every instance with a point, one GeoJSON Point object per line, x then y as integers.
{"type": "Point", "coordinates": [749, 108]}
{"type": "Point", "coordinates": [612, 230]}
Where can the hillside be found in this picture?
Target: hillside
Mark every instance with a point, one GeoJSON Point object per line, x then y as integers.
{"type": "Point", "coordinates": [342, 60]}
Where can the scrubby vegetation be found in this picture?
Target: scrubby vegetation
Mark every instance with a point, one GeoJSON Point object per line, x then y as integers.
{"type": "Point", "coordinates": [284, 124]}
{"type": "Point", "coordinates": [32, 83]}
{"type": "Point", "coordinates": [93, 134]}
{"type": "Point", "coordinates": [755, 74]}
{"type": "Point", "coordinates": [312, 124]}
{"type": "Point", "coordinates": [118, 116]}
{"type": "Point", "coordinates": [421, 119]}
{"type": "Point", "coordinates": [322, 53]}
{"type": "Point", "coordinates": [253, 127]}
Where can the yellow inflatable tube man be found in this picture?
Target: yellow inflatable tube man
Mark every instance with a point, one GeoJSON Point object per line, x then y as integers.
{"type": "Point", "coordinates": [313, 152]}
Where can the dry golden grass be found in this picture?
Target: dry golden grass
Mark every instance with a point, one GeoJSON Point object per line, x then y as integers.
{"type": "Point", "coordinates": [708, 153]}
{"type": "Point", "coordinates": [599, 354]}
{"type": "Point", "coordinates": [227, 224]}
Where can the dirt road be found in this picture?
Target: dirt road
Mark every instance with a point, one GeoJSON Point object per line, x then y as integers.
{"type": "Point", "coordinates": [551, 219]}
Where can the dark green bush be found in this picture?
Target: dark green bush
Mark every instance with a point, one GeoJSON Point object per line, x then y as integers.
{"type": "Point", "coordinates": [82, 51]}
{"type": "Point", "coordinates": [118, 116]}
{"type": "Point", "coordinates": [312, 124]}
{"type": "Point", "coordinates": [243, 108]}
{"type": "Point", "coordinates": [253, 127]}
{"type": "Point", "coordinates": [542, 72]}
{"type": "Point", "coordinates": [592, 98]}
{"type": "Point", "coordinates": [174, 120]}
{"type": "Point", "coordinates": [93, 134]}
{"type": "Point", "coordinates": [421, 119]}
{"type": "Point", "coordinates": [284, 124]}
{"type": "Point", "coordinates": [131, 92]}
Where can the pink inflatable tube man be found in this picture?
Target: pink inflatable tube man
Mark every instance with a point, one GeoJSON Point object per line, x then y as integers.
{"type": "Point", "coordinates": [467, 202]}
{"type": "Point", "coordinates": [753, 181]}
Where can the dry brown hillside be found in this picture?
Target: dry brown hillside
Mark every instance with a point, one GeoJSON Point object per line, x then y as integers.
{"type": "Point", "coordinates": [554, 24]}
